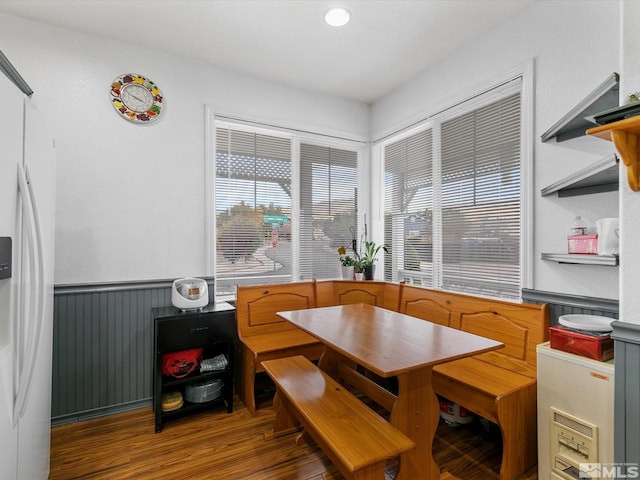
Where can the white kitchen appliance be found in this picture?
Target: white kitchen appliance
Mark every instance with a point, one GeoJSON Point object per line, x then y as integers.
{"type": "Point", "coordinates": [27, 205]}
{"type": "Point", "coordinates": [189, 293]}
{"type": "Point", "coordinates": [575, 414]}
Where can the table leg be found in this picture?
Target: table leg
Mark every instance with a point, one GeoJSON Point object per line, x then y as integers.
{"type": "Point", "coordinates": [327, 362]}
{"type": "Point", "coordinates": [416, 414]}
{"type": "Point", "coordinates": [331, 360]}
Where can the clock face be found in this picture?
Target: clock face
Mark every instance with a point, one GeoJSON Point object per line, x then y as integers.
{"type": "Point", "coordinates": [136, 98]}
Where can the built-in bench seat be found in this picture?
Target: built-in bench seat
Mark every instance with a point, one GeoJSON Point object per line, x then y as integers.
{"type": "Point", "coordinates": [265, 336]}
{"type": "Point", "coordinates": [358, 441]}
{"type": "Point", "coordinates": [499, 385]}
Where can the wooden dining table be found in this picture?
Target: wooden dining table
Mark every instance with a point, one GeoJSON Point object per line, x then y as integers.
{"type": "Point", "coordinates": [364, 341]}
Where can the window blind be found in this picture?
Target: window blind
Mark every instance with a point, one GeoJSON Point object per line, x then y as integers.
{"type": "Point", "coordinates": [408, 204]}
{"type": "Point", "coordinates": [452, 202]}
{"type": "Point", "coordinates": [328, 206]}
{"type": "Point", "coordinates": [253, 208]}
{"type": "Point", "coordinates": [480, 172]}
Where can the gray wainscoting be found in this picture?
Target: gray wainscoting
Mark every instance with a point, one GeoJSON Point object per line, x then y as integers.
{"type": "Point", "coordinates": [564, 304]}
{"type": "Point", "coordinates": [103, 347]}
{"type": "Point", "coordinates": [626, 338]}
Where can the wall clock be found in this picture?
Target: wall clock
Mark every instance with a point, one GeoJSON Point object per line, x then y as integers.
{"type": "Point", "coordinates": [136, 98]}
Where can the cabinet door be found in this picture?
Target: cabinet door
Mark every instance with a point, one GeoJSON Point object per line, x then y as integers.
{"type": "Point", "coordinates": [177, 334]}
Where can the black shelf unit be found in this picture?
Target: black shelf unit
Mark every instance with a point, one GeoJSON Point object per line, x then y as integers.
{"type": "Point", "coordinates": [214, 329]}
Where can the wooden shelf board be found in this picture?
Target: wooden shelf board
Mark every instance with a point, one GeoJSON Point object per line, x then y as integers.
{"type": "Point", "coordinates": [629, 125]}
{"type": "Point", "coordinates": [625, 135]}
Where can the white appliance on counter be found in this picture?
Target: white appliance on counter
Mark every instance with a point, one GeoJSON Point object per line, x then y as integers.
{"type": "Point", "coordinates": [575, 414]}
{"type": "Point", "coordinates": [27, 204]}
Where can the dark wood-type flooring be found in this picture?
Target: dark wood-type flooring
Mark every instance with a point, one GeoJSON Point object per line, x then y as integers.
{"type": "Point", "coordinates": [217, 445]}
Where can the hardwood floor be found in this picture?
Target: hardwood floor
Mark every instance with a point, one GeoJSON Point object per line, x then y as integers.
{"type": "Point", "coordinates": [217, 445]}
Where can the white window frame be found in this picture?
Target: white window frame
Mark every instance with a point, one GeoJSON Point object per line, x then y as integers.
{"type": "Point", "coordinates": [297, 136]}
{"type": "Point", "coordinates": [486, 94]}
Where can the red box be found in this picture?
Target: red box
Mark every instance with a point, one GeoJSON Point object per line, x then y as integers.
{"type": "Point", "coordinates": [583, 244]}
{"type": "Point", "coordinates": [567, 340]}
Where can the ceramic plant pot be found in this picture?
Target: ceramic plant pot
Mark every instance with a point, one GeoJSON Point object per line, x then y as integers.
{"type": "Point", "coordinates": [347, 272]}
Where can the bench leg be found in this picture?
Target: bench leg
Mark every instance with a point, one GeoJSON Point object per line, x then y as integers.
{"type": "Point", "coordinates": [517, 420]}
{"type": "Point", "coordinates": [373, 472]}
{"type": "Point", "coordinates": [246, 389]}
{"type": "Point", "coordinates": [304, 438]}
{"type": "Point", "coordinates": [284, 422]}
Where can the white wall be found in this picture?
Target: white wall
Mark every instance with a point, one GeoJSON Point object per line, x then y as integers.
{"type": "Point", "coordinates": [630, 200]}
{"type": "Point", "coordinates": [575, 47]}
{"type": "Point", "coordinates": [131, 199]}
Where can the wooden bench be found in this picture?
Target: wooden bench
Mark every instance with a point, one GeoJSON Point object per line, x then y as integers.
{"type": "Point", "coordinates": [264, 336]}
{"type": "Point", "coordinates": [500, 385]}
{"type": "Point", "coordinates": [357, 440]}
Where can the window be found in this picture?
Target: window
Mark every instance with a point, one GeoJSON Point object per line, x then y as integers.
{"type": "Point", "coordinates": [284, 203]}
{"type": "Point", "coordinates": [452, 208]}
{"type": "Point", "coordinates": [409, 206]}
{"type": "Point", "coordinates": [328, 206]}
{"type": "Point", "coordinates": [252, 208]}
{"type": "Point", "coordinates": [481, 200]}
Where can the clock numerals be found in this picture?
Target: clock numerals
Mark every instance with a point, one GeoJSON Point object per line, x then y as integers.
{"type": "Point", "coordinates": [136, 97]}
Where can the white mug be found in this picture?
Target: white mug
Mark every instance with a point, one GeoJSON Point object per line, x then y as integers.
{"type": "Point", "coordinates": [608, 236]}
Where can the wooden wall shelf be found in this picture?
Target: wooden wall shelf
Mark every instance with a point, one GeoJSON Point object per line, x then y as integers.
{"type": "Point", "coordinates": [624, 135]}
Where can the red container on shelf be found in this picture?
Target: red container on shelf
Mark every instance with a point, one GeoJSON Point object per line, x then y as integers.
{"type": "Point", "coordinates": [590, 346]}
{"type": "Point", "coordinates": [583, 244]}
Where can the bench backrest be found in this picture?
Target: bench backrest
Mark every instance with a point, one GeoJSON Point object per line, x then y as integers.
{"type": "Point", "coordinates": [519, 326]}
{"type": "Point", "coordinates": [347, 292]}
{"type": "Point", "coordinates": [257, 305]}
{"type": "Point", "coordinates": [419, 302]}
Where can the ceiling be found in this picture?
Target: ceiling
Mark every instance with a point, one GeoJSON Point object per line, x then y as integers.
{"type": "Point", "coordinates": [286, 41]}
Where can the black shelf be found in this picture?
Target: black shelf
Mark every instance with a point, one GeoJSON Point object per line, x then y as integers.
{"type": "Point", "coordinates": [190, 407]}
{"type": "Point", "coordinates": [213, 329]}
{"type": "Point", "coordinates": [581, 117]}
{"type": "Point", "coordinates": [174, 382]}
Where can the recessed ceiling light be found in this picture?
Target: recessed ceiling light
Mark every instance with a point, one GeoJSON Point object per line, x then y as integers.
{"type": "Point", "coordinates": [337, 17]}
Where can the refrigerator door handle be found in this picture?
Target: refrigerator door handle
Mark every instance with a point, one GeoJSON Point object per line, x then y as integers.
{"type": "Point", "coordinates": [34, 239]}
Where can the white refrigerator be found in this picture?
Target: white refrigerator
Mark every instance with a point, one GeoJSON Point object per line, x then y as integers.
{"type": "Point", "coordinates": [27, 207]}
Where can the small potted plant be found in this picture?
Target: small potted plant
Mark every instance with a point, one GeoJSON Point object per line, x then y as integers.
{"type": "Point", "coordinates": [358, 270]}
{"type": "Point", "coordinates": [368, 258]}
{"type": "Point", "coordinates": [347, 264]}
